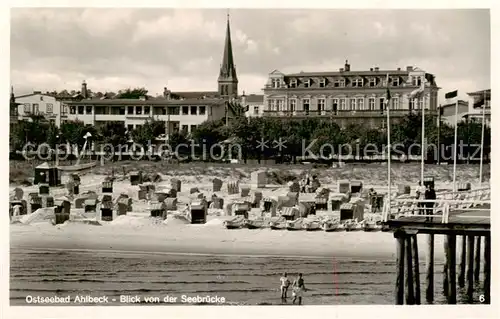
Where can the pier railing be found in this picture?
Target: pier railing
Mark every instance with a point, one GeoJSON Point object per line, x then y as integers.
{"type": "Point", "coordinates": [440, 209]}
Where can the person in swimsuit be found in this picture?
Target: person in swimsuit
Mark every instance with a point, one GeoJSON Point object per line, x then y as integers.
{"type": "Point", "coordinates": [285, 283]}
{"type": "Point", "coordinates": [298, 288]}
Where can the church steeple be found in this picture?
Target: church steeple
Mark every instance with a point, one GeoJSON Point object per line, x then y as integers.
{"type": "Point", "coordinates": [228, 81]}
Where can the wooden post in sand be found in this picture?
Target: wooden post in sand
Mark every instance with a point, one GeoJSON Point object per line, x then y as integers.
{"type": "Point", "coordinates": [487, 268]}
{"type": "Point", "coordinates": [400, 264]}
{"type": "Point", "coordinates": [470, 267]}
{"type": "Point", "coordinates": [429, 268]}
{"type": "Point", "coordinates": [463, 254]}
{"type": "Point", "coordinates": [477, 260]}
{"type": "Point", "coordinates": [410, 293]}
{"type": "Point", "coordinates": [416, 269]}
{"type": "Point", "coordinates": [445, 267]}
{"type": "Point", "coordinates": [452, 274]}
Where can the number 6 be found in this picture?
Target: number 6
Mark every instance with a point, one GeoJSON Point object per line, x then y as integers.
{"type": "Point", "coordinates": [481, 298]}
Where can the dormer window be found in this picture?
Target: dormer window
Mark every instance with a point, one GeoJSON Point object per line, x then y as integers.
{"type": "Point", "coordinates": [357, 82]}
{"type": "Point", "coordinates": [307, 83]}
{"type": "Point", "coordinates": [293, 83]}
{"type": "Point", "coordinates": [416, 81]}
{"type": "Point", "coordinates": [322, 83]}
{"type": "Point", "coordinates": [276, 83]}
{"type": "Point", "coordinates": [395, 81]}
{"type": "Point", "coordinates": [373, 82]}
{"type": "Point", "coordinates": [339, 83]}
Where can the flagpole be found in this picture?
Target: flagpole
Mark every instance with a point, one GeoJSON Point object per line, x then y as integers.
{"type": "Point", "coordinates": [455, 148]}
{"type": "Point", "coordinates": [482, 143]}
{"type": "Point", "coordinates": [388, 147]}
{"type": "Point", "coordinates": [423, 142]}
{"type": "Point", "coordinates": [439, 135]}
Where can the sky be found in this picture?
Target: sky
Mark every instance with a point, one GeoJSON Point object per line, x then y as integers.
{"type": "Point", "coordinates": [113, 49]}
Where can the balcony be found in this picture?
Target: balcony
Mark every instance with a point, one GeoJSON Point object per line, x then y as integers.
{"type": "Point", "coordinates": [343, 114]}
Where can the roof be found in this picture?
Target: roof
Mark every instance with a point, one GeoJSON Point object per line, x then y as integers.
{"type": "Point", "coordinates": [34, 93]}
{"type": "Point", "coordinates": [348, 73]}
{"type": "Point", "coordinates": [45, 165]}
{"type": "Point", "coordinates": [196, 95]}
{"type": "Point", "coordinates": [481, 92]}
{"type": "Point", "coordinates": [453, 104]}
{"type": "Point", "coordinates": [157, 101]}
{"type": "Point", "coordinates": [255, 98]}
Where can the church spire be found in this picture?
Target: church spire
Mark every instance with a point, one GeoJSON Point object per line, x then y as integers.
{"type": "Point", "coordinates": [228, 70]}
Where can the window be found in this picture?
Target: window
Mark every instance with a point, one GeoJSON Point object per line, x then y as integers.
{"type": "Point", "coordinates": [202, 110]}
{"type": "Point", "coordinates": [147, 110]}
{"type": "Point", "coordinates": [130, 127]}
{"type": "Point", "coordinates": [194, 110]}
{"type": "Point", "coordinates": [321, 105]}
{"type": "Point", "coordinates": [276, 83]}
{"type": "Point", "coordinates": [371, 103]}
{"type": "Point", "coordinates": [421, 103]}
{"type": "Point", "coordinates": [255, 110]}
{"type": "Point", "coordinates": [64, 109]}
{"type": "Point", "coordinates": [88, 109]}
{"type": "Point", "coordinates": [411, 104]}
{"type": "Point", "coordinates": [357, 83]}
{"type": "Point", "coordinates": [174, 110]}
{"type": "Point", "coordinates": [50, 108]}
{"type": "Point", "coordinates": [352, 105]}
{"type": "Point", "coordinates": [342, 104]}
{"type": "Point", "coordinates": [130, 110]}
{"type": "Point", "coordinates": [27, 108]}
{"type": "Point", "coordinates": [373, 82]}
{"type": "Point", "coordinates": [193, 128]}
{"type": "Point", "coordinates": [41, 98]}
{"type": "Point", "coordinates": [138, 110]}
{"type": "Point", "coordinates": [81, 109]}
{"type": "Point", "coordinates": [335, 105]}
{"type": "Point", "coordinates": [305, 105]}
{"type": "Point", "coordinates": [270, 105]}
{"type": "Point", "coordinates": [322, 83]}
{"type": "Point", "coordinates": [185, 110]}
{"type": "Point", "coordinates": [72, 109]}
{"type": "Point", "coordinates": [307, 83]}
{"type": "Point", "coordinates": [381, 102]}
{"type": "Point", "coordinates": [361, 104]}
{"type": "Point", "coordinates": [339, 83]}
{"type": "Point", "coordinates": [395, 81]}
{"type": "Point", "coordinates": [279, 106]}
{"type": "Point", "coordinates": [395, 103]}
{"type": "Point", "coordinates": [138, 126]}
{"type": "Point", "coordinates": [293, 83]}
{"type": "Point", "coordinates": [416, 81]}
{"type": "Point", "coordinates": [35, 108]}
{"type": "Point", "coordinates": [293, 105]}
{"type": "Point", "coordinates": [184, 128]}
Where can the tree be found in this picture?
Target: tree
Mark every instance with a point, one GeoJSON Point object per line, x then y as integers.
{"type": "Point", "coordinates": [132, 93]}
{"type": "Point", "coordinates": [112, 133]}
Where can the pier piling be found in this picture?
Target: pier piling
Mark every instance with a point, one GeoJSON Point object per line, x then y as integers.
{"type": "Point", "coordinates": [445, 267]}
{"type": "Point", "coordinates": [410, 293]}
{"type": "Point", "coordinates": [477, 260]}
{"type": "Point", "coordinates": [487, 268]}
{"type": "Point", "coordinates": [429, 268]}
{"type": "Point", "coordinates": [470, 267]}
{"type": "Point", "coordinates": [416, 269]}
{"type": "Point", "coordinates": [400, 263]}
{"type": "Point", "coordinates": [463, 249]}
{"type": "Point", "coordinates": [452, 275]}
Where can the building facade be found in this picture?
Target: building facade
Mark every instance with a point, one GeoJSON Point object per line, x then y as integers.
{"type": "Point", "coordinates": [254, 104]}
{"type": "Point", "coordinates": [348, 96]}
{"type": "Point", "coordinates": [476, 101]}
{"type": "Point", "coordinates": [448, 112]}
{"type": "Point", "coordinates": [38, 103]}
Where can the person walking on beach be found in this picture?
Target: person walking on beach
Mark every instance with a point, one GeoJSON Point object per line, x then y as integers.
{"type": "Point", "coordinates": [298, 288]}
{"type": "Point", "coordinates": [285, 283]}
{"type": "Point", "coordinates": [430, 194]}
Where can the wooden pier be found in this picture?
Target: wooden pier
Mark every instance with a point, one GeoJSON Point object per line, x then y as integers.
{"type": "Point", "coordinates": [467, 216]}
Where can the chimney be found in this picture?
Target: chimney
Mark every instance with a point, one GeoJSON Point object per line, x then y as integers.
{"type": "Point", "coordinates": [143, 98]}
{"type": "Point", "coordinates": [371, 69]}
{"type": "Point", "coordinates": [409, 68]}
{"type": "Point", "coordinates": [376, 69]}
{"type": "Point", "coordinates": [399, 69]}
{"type": "Point", "coordinates": [84, 90]}
{"type": "Point", "coordinates": [341, 69]}
{"type": "Point", "coordinates": [347, 66]}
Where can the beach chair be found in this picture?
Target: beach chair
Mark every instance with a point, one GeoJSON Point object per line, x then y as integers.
{"type": "Point", "coordinates": [122, 206]}
{"type": "Point", "coordinates": [216, 185]}
{"type": "Point", "coordinates": [344, 186]}
{"type": "Point", "coordinates": [233, 187]}
{"type": "Point", "coordinates": [175, 184]}
{"type": "Point", "coordinates": [107, 187]}
{"type": "Point", "coordinates": [294, 186]}
{"type": "Point", "coordinates": [48, 201]}
{"type": "Point", "coordinates": [43, 189]}
{"type": "Point", "coordinates": [356, 187]}
{"type": "Point", "coordinates": [245, 191]}
{"type": "Point", "coordinates": [107, 211]}
{"type": "Point", "coordinates": [136, 178]}
{"type": "Point", "coordinates": [90, 206]}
